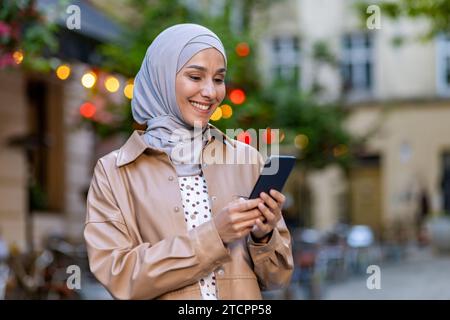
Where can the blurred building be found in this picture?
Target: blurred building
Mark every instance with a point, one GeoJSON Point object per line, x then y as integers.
{"type": "Point", "coordinates": [46, 157]}
{"type": "Point", "coordinates": [396, 88]}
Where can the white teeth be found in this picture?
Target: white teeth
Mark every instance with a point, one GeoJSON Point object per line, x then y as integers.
{"type": "Point", "coordinates": [200, 106]}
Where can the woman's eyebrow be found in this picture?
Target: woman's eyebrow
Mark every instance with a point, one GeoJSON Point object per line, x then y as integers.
{"type": "Point", "coordinates": [201, 68]}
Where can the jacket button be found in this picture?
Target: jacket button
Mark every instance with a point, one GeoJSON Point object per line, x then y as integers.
{"type": "Point", "coordinates": [170, 178]}
{"type": "Point", "coordinates": [220, 272]}
{"type": "Point", "coordinates": [213, 198]}
{"type": "Point", "coordinates": [176, 209]}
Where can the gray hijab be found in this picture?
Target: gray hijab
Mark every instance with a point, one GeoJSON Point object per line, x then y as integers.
{"type": "Point", "coordinates": [154, 101]}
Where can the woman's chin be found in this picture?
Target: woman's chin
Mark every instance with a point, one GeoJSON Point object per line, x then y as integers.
{"type": "Point", "coordinates": [199, 122]}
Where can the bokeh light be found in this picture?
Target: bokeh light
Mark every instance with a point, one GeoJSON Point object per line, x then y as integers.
{"type": "Point", "coordinates": [237, 96]}
{"type": "Point", "coordinates": [63, 71]}
{"type": "Point", "coordinates": [301, 141]}
{"type": "Point", "coordinates": [128, 90]}
{"type": "Point", "coordinates": [242, 49]}
{"type": "Point", "coordinates": [88, 79]}
{"type": "Point", "coordinates": [18, 56]}
{"type": "Point", "coordinates": [112, 84]}
{"type": "Point", "coordinates": [88, 110]}
{"type": "Point", "coordinates": [217, 114]}
{"type": "Point", "coordinates": [227, 111]}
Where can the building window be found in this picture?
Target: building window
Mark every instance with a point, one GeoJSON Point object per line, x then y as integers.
{"type": "Point", "coordinates": [286, 60]}
{"type": "Point", "coordinates": [443, 65]}
{"type": "Point", "coordinates": [357, 64]}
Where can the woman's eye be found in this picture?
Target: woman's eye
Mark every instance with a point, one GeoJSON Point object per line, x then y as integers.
{"type": "Point", "coordinates": [195, 78]}
{"type": "Point", "coordinates": [219, 80]}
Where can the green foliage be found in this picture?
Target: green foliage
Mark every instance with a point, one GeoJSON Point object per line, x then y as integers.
{"type": "Point", "coordinates": [437, 12]}
{"type": "Point", "coordinates": [25, 29]}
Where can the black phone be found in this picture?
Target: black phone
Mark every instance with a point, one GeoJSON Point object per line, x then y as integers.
{"type": "Point", "coordinates": [274, 175]}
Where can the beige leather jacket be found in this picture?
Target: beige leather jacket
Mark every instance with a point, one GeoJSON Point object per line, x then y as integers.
{"type": "Point", "coordinates": [137, 239]}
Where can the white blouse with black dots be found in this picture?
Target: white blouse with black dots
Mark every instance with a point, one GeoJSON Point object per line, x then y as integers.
{"type": "Point", "coordinates": [194, 194]}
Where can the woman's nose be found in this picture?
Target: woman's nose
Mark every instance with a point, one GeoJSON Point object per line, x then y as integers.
{"type": "Point", "coordinates": [209, 91]}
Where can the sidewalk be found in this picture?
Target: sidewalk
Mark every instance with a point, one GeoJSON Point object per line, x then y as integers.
{"type": "Point", "coordinates": [422, 275]}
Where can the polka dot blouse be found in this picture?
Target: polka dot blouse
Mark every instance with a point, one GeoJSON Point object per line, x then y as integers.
{"type": "Point", "coordinates": [194, 193]}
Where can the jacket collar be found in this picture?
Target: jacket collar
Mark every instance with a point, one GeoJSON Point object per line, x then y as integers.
{"type": "Point", "coordinates": [136, 145]}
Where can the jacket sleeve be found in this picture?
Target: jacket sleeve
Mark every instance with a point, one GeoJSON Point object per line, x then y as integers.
{"type": "Point", "coordinates": [133, 270]}
{"type": "Point", "coordinates": [273, 261]}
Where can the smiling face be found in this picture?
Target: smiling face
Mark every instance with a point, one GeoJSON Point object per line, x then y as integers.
{"type": "Point", "coordinates": [200, 86]}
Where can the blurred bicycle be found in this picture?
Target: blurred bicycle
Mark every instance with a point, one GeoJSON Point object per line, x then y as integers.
{"type": "Point", "coordinates": [42, 275]}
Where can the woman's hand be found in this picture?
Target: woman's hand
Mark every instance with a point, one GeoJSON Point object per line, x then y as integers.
{"type": "Point", "coordinates": [270, 208]}
{"type": "Point", "coordinates": [237, 219]}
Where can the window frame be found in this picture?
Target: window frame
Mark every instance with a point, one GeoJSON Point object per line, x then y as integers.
{"type": "Point", "coordinates": [359, 58]}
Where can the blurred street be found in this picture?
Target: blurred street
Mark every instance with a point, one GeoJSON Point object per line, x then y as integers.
{"type": "Point", "coordinates": [422, 275]}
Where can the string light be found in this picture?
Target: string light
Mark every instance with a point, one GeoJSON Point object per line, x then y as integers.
{"type": "Point", "coordinates": [128, 90]}
{"type": "Point", "coordinates": [18, 56]}
{"type": "Point", "coordinates": [237, 96]}
{"type": "Point", "coordinates": [88, 110]}
{"type": "Point", "coordinates": [88, 79]}
{"type": "Point", "coordinates": [112, 84]}
{"type": "Point", "coordinates": [242, 49]}
{"type": "Point", "coordinates": [63, 71]}
{"type": "Point", "coordinates": [217, 114]}
{"type": "Point", "coordinates": [227, 111]}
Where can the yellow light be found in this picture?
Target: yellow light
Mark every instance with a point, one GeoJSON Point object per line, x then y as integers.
{"type": "Point", "coordinates": [301, 141]}
{"type": "Point", "coordinates": [128, 90]}
{"type": "Point", "coordinates": [18, 56]}
{"type": "Point", "coordinates": [227, 111]}
{"type": "Point", "coordinates": [112, 84]}
{"type": "Point", "coordinates": [216, 115]}
{"type": "Point", "coordinates": [88, 79]}
{"type": "Point", "coordinates": [63, 71]}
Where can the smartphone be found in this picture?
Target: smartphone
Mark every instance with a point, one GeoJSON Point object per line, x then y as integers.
{"type": "Point", "coordinates": [274, 175]}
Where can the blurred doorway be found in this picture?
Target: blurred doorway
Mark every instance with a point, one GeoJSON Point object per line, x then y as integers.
{"type": "Point", "coordinates": [365, 193]}
{"type": "Point", "coordinates": [45, 147]}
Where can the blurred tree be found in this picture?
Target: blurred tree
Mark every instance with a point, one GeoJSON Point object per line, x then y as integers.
{"type": "Point", "coordinates": [437, 12]}
{"type": "Point", "coordinates": [26, 37]}
{"type": "Point", "coordinates": [277, 106]}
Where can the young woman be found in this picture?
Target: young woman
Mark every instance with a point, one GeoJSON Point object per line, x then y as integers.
{"type": "Point", "coordinates": [165, 219]}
